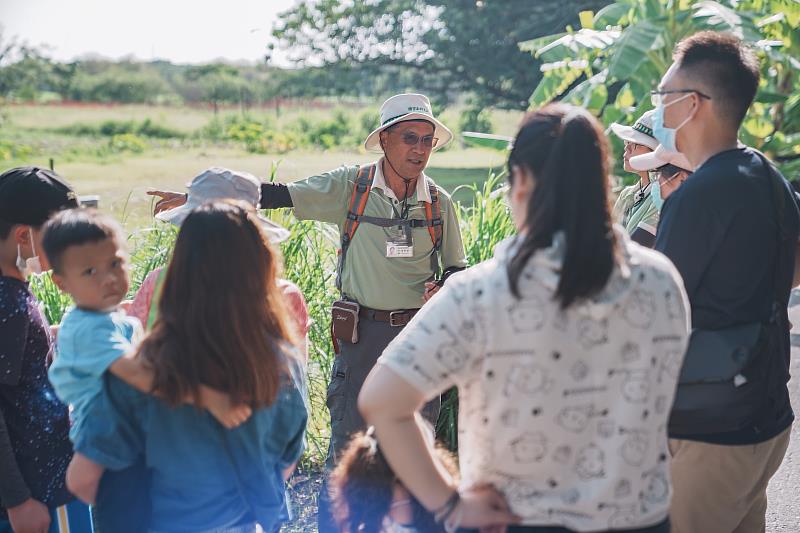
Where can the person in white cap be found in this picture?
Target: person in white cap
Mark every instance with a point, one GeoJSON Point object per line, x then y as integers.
{"type": "Point", "coordinates": [218, 183]}
{"type": "Point", "coordinates": [667, 170]}
{"type": "Point", "coordinates": [400, 241]}
{"type": "Point", "coordinates": [634, 206]}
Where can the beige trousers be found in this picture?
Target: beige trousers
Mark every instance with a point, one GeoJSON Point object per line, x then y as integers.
{"type": "Point", "coordinates": [722, 489]}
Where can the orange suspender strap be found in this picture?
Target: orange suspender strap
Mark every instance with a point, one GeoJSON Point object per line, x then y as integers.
{"type": "Point", "coordinates": [433, 213]}
{"type": "Point", "coordinates": [358, 203]}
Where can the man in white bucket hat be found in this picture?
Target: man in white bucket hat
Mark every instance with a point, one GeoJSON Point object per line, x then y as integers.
{"type": "Point", "coordinates": [400, 240]}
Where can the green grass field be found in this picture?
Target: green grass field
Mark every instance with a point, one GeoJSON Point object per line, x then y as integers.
{"type": "Point", "coordinates": [121, 179]}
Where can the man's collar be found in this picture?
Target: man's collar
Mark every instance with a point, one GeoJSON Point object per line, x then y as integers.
{"type": "Point", "coordinates": [379, 182]}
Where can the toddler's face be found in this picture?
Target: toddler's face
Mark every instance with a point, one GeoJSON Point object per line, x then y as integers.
{"type": "Point", "coordinates": [95, 274]}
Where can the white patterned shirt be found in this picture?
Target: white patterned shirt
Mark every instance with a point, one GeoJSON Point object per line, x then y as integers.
{"type": "Point", "coordinates": [565, 412]}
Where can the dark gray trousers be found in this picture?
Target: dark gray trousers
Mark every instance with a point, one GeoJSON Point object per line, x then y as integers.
{"type": "Point", "coordinates": [350, 368]}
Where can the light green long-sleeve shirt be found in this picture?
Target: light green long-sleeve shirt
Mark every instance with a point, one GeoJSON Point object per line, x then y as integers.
{"type": "Point", "coordinates": [370, 277]}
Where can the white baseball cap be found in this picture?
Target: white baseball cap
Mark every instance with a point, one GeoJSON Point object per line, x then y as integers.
{"type": "Point", "coordinates": [640, 133]}
{"type": "Point", "coordinates": [217, 183]}
{"type": "Point", "coordinates": [402, 108]}
{"type": "Point", "coordinates": [658, 158]}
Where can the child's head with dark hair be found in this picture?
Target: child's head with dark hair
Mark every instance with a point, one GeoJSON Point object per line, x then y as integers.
{"type": "Point", "coordinates": [722, 67]}
{"type": "Point", "coordinates": [367, 496]}
{"type": "Point", "coordinates": [86, 250]}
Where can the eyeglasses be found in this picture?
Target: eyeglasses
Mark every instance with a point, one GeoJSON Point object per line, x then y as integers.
{"type": "Point", "coordinates": [657, 97]}
{"type": "Point", "coordinates": [412, 139]}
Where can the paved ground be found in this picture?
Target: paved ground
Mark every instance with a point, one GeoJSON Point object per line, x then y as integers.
{"type": "Point", "coordinates": [783, 514]}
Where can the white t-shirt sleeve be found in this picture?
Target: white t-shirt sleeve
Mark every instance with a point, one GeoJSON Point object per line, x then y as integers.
{"type": "Point", "coordinates": [441, 345]}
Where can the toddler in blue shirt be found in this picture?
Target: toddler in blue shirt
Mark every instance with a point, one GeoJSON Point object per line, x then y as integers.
{"type": "Point", "coordinates": [89, 262]}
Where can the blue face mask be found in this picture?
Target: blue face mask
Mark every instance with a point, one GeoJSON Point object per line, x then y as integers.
{"type": "Point", "coordinates": [655, 194]}
{"type": "Point", "coordinates": [666, 136]}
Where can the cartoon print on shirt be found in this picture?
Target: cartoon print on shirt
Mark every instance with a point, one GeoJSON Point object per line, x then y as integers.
{"type": "Point", "coordinates": [579, 371]}
{"type": "Point", "coordinates": [605, 428]}
{"type": "Point", "coordinates": [661, 405]}
{"type": "Point", "coordinates": [592, 332]}
{"type": "Point", "coordinates": [630, 352]}
{"type": "Point", "coordinates": [526, 315]}
{"type": "Point", "coordinates": [622, 489]}
{"type": "Point", "coordinates": [656, 490]}
{"type": "Point", "coordinates": [450, 352]}
{"type": "Point", "coordinates": [575, 418]}
{"type": "Point", "coordinates": [521, 489]}
{"type": "Point", "coordinates": [527, 379]}
{"type": "Point", "coordinates": [591, 462]}
{"type": "Point", "coordinates": [640, 308]}
{"type": "Point", "coordinates": [635, 386]}
{"type": "Point", "coordinates": [634, 448]}
{"type": "Point", "coordinates": [562, 454]}
{"type": "Point", "coordinates": [673, 303]}
{"type": "Point", "coordinates": [571, 496]}
{"type": "Point", "coordinates": [529, 447]}
{"type": "Point", "coordinates": [623, 517]}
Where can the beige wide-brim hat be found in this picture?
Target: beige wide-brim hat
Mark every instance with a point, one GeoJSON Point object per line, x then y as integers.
{"type": "Point", "coordinates": [658, 158]}
{"type": "Point", "coordinates": [217, 183]}
{"type": "Point", "coordinates": [640, 133]}
{"type": "Point", "coordinates": [405, 107]}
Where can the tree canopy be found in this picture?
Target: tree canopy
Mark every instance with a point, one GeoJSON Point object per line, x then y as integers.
{"type": "Point", "coordinates": [452, 46]}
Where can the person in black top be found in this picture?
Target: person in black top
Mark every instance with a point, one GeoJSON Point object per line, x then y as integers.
{"type": "Point", "coordinates": [720, 230]}
{"type": "Point", "coordinates": [34, 443]}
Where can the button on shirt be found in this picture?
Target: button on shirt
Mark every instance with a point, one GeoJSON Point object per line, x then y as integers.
{"type": "Point", "coordinates": [369, 276]}
{"type": "Point", "coordinates": [565, 412]}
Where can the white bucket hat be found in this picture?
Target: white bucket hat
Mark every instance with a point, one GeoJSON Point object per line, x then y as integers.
{"type": "Point", "coordinates": [217, 183]}
{"type": "Point", "coordinates": [402, 108]}
{"type": "Point", "coordinates": [658, 158]}
{"type": "Point", "coordinates": [640, 133]}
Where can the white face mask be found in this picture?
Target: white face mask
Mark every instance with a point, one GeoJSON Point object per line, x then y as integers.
{"type": "Point", "coordinates": [31, 265]}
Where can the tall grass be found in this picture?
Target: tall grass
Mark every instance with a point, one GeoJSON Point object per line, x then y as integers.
{"type": "Point", "coordinates": [309, 261]}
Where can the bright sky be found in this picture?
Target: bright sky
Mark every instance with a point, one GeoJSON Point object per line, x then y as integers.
{"type": "Point", "coordinates": [182, 31]}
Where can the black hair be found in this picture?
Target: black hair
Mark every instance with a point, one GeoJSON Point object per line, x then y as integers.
{"type": "Point", "coordinates": [566, 152]}
{"type": "Point", "coordinates": [74, 227]}
{"type": "Point", "coordinates": [5, 229]}
{"type": "Point", "coordinates": [727, 68]}
{"type": "Point", "coordinates": [670, 170]}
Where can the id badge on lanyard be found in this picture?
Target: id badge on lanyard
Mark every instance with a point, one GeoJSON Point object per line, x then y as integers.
{"type": "Point", "coordinates": [402, 245]}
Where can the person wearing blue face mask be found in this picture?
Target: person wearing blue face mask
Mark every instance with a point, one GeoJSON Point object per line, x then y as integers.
{"type": "Point", "coordinates": [634, 207]}
{"type": "Point", "coordinates": [731, 230]}
{"type": "Point", "coordinates": [667, 170]}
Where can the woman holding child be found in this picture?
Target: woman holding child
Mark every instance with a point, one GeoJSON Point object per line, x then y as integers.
{"type": "Point", "coordinates": [565, 348]}
{"type": "Point", "coordinates": [222, 323]}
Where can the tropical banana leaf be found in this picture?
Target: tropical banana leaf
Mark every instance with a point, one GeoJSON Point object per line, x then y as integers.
{"type": "Point", "coordinates": [488, 140]}
{"type": "Point", "coordinates": [713, 15]}
{"type": "Point", "coordinates": [571, 45]}
{"type": "Point", "coordinates": [632, 47]}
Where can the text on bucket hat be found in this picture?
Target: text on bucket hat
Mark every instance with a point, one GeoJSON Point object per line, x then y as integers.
{"type": "Point", "coordinates": [217, 183]}
{"type": "Point", "coordinates": [640, 133]}
{"type": "Point", "coordinates": [30, 195]}
{"type": "Point", "coordinates": [402, 108]}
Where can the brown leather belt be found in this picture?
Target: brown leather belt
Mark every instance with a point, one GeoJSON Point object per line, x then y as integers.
{"type": "Point", "coordinates": [396, 319]}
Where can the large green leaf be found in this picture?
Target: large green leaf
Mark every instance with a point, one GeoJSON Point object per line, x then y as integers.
{"type": "Point", "coordinates": [632, 48]}
{"type": "Point", "coordinates": [571, 45]}
{"type": "Point", "coordinates": [612, 15]}
{"type": "Point", "coordinates": [716, 16]}
{"type": "Point", "coordinates": [591, 93]}
{"type": "Point", "coordinates": [553, 84]}
{"type": "Point", "coordinates": [488, 140]}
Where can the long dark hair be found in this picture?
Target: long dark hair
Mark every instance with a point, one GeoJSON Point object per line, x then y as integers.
{"type": "Point", "coordinates": [362, 488]}
{"type": "Point", "coordinates": [565, 150]}
{"type": "Point", "coordinates": [222, 319]}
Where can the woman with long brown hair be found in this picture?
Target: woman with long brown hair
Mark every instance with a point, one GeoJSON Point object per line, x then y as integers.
{"type": "Point", "coordinates": [565, 348]}
{"type": "Point", "coordinates": [222, 324]}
